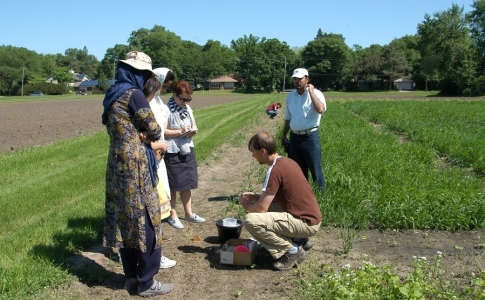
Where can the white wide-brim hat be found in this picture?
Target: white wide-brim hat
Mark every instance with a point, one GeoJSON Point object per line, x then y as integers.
{"type": "Point", "coordinates": [138, 60]}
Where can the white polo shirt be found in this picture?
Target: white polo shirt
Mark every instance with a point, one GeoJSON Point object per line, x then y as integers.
{"type": "Point", "coordinates": [300, 111]}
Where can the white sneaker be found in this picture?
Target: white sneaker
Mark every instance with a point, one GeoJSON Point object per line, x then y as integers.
{"type": "Point", "coordinates": [195, 219]}
{"type": "Point", "coordinates": [175, 223]}
{"type": "Point", "coordinates": [166, 263]}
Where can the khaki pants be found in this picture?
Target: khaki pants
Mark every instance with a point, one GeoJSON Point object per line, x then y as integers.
{"type": "Point", "coordinates": [275, 228]}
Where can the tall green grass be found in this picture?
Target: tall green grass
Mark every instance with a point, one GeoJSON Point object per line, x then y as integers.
{"type": "Point", "coordinates": [375, 180]}
{"type": "Point", "coordinates": [52, 204]}
{"type": "Point", "coordinates": [455, 129]}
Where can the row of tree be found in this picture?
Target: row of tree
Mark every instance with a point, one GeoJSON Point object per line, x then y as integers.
{"type": "Point", "coordinates": [446, 53]}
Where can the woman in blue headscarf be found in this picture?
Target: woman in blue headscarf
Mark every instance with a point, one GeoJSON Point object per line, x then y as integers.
{"type": "Point", "coordinates": [132, 221]}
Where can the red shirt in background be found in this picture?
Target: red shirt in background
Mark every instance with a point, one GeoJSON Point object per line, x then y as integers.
{"type": "Point", "coordinates": [273, 106]}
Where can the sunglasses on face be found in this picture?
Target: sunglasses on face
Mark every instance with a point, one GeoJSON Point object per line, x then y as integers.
{"type": "Point", "coordinates": [185, 99]}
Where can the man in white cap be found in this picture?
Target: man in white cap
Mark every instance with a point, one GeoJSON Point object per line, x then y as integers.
{"type": "Point", "coordinates": [304, 108]}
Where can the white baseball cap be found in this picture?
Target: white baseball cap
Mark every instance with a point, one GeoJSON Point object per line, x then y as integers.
{"type": "Point", "coordinates": [299, 73]}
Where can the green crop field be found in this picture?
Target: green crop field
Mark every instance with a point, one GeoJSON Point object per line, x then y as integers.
{"type": "Point", "coordinates": [386, 168]}
{"type": "Point", "coordinates": [388, 164]}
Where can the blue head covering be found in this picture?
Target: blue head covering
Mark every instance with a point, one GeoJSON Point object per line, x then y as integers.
{"type": "Point", "coordinates": [127, 78]}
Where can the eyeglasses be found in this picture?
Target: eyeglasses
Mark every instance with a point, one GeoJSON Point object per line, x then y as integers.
{"type": "Point", "coordinates": [185, 99]}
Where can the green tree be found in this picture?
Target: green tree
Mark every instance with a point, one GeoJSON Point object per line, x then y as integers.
{"type": "Point", "coordinates": [80, 61]}
{"type": "Point", "coordinates": [446, 48]}
{"type": "Point", "coordinates": [103, 84]}
{"type": "Point", "coordinates": [107, 66]}
{"type": "Point", "coordinates": [191, 62]}
{"type": "Point", "coordinates": [395, 61]}
{"type": "Point", "coordinates": [62, 75]}
{"type": "Point", "coordinates": [275, 54]}
{"type": "Point", "coordinates": [89, 63]}
{"type": "Point", "coordinates": [368, 63]}
{"type": "Point", "coordinates": [17, 63]}
{"type": "Point", "coordinates": [476, 20]}
{"type": "Point", "coordinates": [163, 46]}
{"type": "Point", "coordinates": [250, 60]}
{"type": "Point", "coordinates": [217, 60]}
{"type": "Point", "coordinates": [409, 44]}
{"type": "Point", "coordinates": [49, 63]}
{"type": "Point", "coordinates": [328, 58]}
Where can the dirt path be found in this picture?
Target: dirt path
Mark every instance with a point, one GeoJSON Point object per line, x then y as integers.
{"type": "Point", "coordinates": [198, 275]}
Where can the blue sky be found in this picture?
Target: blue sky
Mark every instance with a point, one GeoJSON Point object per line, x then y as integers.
{"type": "Point", "coordinates": [50, 27]}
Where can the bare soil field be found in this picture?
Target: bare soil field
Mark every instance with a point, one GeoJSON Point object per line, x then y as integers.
{"type": "Point", "coordinates": [198, 274]}
{"type": "Point", "coordinates": [27, 124]}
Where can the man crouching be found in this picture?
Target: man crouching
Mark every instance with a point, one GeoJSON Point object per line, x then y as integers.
{"type": "Point", "coordinates": [284, 225]}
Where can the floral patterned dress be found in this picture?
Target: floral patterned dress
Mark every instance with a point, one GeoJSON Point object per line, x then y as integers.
{"type": "Point", "coordinates": [129, 188]}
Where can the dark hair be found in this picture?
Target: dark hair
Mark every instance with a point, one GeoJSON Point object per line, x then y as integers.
{"type": "Point", "coordinates": [262, 140]}
{"type": "Point", "coordinates": [151, 85]}
{"type": "Point", "coordinates": [279, 104]}
{"type": "Point", "coordinates": [182, 86]}
{"type": "Point", "coordinates": [169, 77]}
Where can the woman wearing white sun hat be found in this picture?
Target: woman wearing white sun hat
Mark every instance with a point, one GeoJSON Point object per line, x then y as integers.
{"type": "Point", "coordinates": [161, 112]}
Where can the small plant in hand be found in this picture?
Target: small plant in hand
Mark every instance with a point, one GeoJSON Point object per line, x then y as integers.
{"type": "Point", "coordinates": [234, 209]}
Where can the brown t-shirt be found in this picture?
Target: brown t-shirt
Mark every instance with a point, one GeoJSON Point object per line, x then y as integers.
{"type": "Point", "coordinates": [292, 191]}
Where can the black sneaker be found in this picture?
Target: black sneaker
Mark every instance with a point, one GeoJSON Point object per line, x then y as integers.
{"type": "Point", "coordinates": [305, 243]}
{"type": "Point", "coordinates": [288, 261]}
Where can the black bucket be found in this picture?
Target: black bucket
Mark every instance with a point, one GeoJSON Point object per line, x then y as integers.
{"type": "Point", "coordinates": [227, 233]}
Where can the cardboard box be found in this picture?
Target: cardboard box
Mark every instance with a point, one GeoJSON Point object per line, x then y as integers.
{"type": "Point", "coordinates": [229, 257]}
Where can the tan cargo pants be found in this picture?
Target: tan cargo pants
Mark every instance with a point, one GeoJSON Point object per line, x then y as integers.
{"type": "Point", "coordinates": [274, 229]}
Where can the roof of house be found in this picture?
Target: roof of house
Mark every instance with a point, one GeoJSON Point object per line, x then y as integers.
{"type": "Point", "coordinates": [223, 79]}
{"type": "Point", "coordinates": [89, 83]}
{"type": "Point", "coordinates": [403, 80]}
{"type": "Point", "coordinates": [95, 82]}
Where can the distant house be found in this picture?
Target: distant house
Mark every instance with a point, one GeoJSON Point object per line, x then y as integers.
{"type": "Point", "coordinates": [51, 79]}
{"type": "Point", "coordinates": [89, 85]}
{"type": "Point", "coordinates": [81, 77]}
{"type": "Point", "coordinates": [404, 84]}
{"type": "Point", "coordinates": [220, 83]}
{"type": "Point", "coordinates": [78, 79]}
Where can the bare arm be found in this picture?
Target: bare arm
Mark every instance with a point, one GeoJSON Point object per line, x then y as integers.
{"type": "Point", "coordinates": [286, 129]}
{"type": "Point", "coordinates": [319, 106]}
{"type": "Point", "coordinates": [256, 203]}
{"type": "Point", "coordinates": [173, 133]}
{"type": "Point", "coordinates": [194, 125]}
{"type": "Point", "coordinates": [159, 146]}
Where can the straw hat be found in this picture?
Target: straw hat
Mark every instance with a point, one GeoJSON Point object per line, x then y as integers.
{"type": "Point", "coordinates": [138, 60]}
